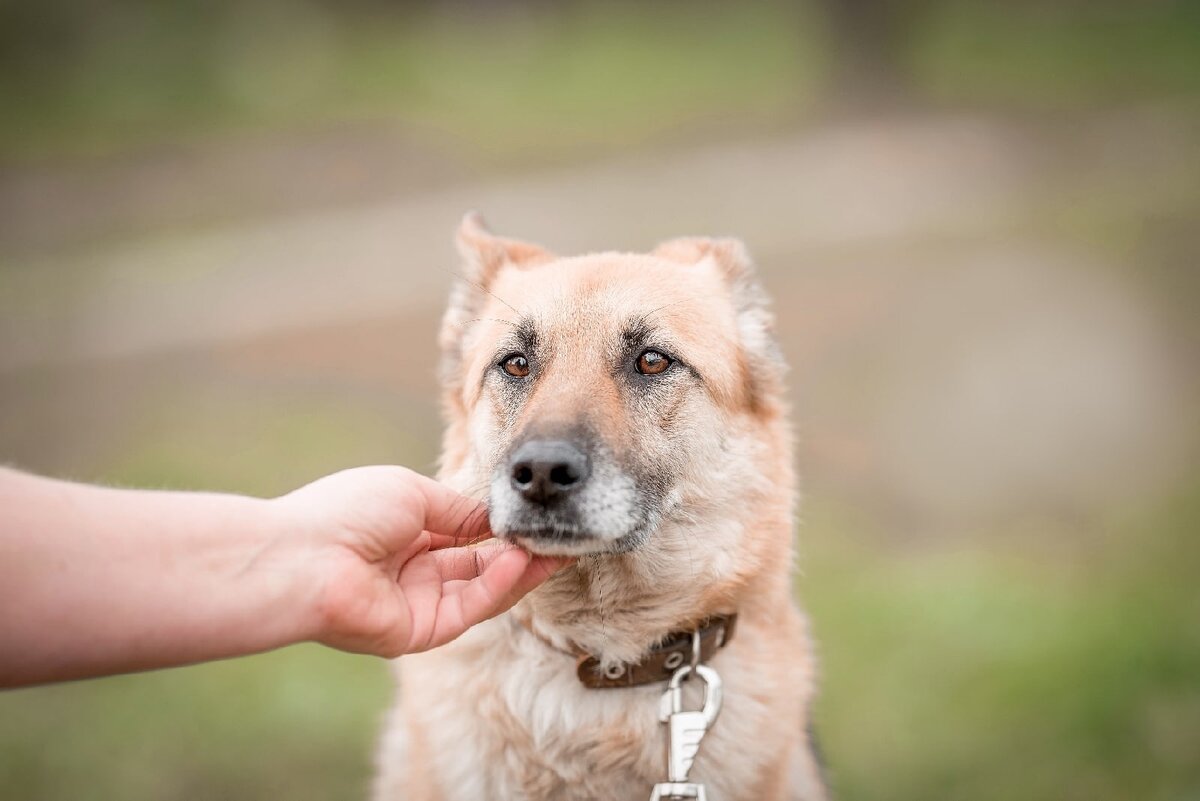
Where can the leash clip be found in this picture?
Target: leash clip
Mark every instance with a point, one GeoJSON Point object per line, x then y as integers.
{"type": "Point", "coordinates": [685, 730]}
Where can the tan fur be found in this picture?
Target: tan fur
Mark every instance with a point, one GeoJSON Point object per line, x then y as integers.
{"type": "Point", "coordinates": [500, 714]}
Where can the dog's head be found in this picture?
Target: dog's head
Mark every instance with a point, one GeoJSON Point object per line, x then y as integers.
{"type": "Point", "coordinates": [597, 397]}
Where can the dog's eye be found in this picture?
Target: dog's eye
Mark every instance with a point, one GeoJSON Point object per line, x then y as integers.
{"type": "Point", "coordinates": [516, 365]}
{"type": "Point", "coordinates": [651, 362]}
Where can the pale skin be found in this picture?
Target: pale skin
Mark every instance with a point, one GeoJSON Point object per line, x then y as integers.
{"type": "Point", "coordinates": [376, 560]}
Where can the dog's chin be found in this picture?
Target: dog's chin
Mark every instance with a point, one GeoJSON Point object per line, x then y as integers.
{"type": "Point", "coordinates": [558, 543]}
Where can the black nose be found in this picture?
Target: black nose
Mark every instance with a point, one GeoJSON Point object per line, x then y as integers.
{"type": "Point", "coordinates": [544, 470]}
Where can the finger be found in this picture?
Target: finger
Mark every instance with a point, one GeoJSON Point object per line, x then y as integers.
{"type": "Point", "coordinates": [452, 518]}
{"type": "Point", "coordinates": [511, 574]}
{"type": "Point", "coordinates": [489, 594]}
{"type": "Point", "coordinates": [472, 534]}
{"type": "Point", "coordinates": [538, 570]}
{"type": "Point", "coordinates": [466, 563]}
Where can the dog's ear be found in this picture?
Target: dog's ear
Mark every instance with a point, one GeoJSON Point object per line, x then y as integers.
{"type": "Point", "coordinates": [484, 255]}
{"type": "Point", "coordinates": [756, 324]}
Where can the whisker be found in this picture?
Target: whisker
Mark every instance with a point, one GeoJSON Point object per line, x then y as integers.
{"type": "Point", "coordinates": [509, 323]}
{"type": "Point", "coordinates": [603, 615]}
{"type": "Point", "coordinates": [481, 288]}
{"type": "Point", "coordinates": [472, 525]}
{"type": "Point", "coordinates": [677, 303]}
{"type": "Point", "coordinates": [687, 540]}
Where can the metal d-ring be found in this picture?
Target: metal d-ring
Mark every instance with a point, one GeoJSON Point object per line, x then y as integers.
{"type": "Point", "coordinates": [671, 663]}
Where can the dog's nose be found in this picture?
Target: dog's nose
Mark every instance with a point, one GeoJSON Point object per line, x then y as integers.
{"type": "Point", "coordinates": [543, 470]}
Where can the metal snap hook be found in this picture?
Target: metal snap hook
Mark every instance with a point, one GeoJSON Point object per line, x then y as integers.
{"type": "Point", "coordinates": [685, 731]}
{"type": "Point", "coordinates": [673, 698]}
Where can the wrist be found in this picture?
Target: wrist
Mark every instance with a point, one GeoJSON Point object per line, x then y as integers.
{"type": "Point", "coordinates": [289, 566]}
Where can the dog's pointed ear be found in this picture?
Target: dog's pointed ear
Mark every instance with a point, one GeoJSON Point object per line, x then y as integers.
{"type": "Point", "coordinates": [731, 259]}
{"type": "Point", "coordinates": [484, 253]}
{"type": "Point", "coordinates": [730, 255]}
{"type": "Point", "coordinates": [756, 325]}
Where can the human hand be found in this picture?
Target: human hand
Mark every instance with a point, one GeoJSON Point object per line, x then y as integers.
{"type": "Point", "coordinates": [401, 563]}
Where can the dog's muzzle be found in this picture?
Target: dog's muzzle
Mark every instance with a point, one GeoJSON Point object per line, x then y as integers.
{"type": "Point", "coordinates": [566, 496]}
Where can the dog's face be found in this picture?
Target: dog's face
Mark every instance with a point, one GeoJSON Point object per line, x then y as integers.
{"type": "Point", "coordinates": [594, 396]}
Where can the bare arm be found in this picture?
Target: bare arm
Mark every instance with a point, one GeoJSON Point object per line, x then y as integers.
{"type": "Point", "coordinates": [96, 581]}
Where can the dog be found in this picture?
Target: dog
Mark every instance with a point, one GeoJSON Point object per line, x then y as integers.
{"type": "Point", "coordinates": [626, 410]}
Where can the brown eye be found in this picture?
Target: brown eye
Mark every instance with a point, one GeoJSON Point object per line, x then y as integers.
{"type": "Point", "coordinates": [516, 365]}
{"type": "Point", "coordinates": [651, 362]}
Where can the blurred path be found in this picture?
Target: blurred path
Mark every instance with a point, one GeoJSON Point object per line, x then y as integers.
{"type": "Point", "coordinates": [985, 318]}
{"type": "Point", "coordinates": [820, 192]}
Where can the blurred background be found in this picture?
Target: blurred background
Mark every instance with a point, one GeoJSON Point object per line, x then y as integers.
{"type": "Point", "coordinates": [225, 243]}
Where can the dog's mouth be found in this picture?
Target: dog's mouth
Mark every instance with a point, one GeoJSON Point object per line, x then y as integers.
{"type": "Point", "coordinates": [556, 542]}
{"type": "Point", "coordinates": [562, 540]}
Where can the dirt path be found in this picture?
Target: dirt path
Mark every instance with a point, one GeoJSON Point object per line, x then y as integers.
{"type": "Point", "coordinates": [165, 288]}
{"type": "Point", "coordinates": [969, 331]}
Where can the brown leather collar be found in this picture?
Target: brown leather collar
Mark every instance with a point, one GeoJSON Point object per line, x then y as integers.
{"type": "Point", "coordinates": [662, 661]}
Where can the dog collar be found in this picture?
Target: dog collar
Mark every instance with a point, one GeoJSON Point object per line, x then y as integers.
{"type": "Point", "coordinates": [675, 650]}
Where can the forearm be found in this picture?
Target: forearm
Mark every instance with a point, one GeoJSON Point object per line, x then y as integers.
{"type": "Point", "coordinates": [96, 581]}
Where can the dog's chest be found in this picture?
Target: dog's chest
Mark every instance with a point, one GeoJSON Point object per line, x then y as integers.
{"type": "Point", "coordinates": [503, 718]}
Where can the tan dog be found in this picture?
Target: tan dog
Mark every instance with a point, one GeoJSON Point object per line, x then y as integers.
{"type": "Point", "coordinates": [627, 409]}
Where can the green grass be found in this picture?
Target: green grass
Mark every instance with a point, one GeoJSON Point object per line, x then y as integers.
{"type": "Point", "coordinates": [296, 724]}
{"type": "Point", "coordinates": [989, 672]}
{"type": "Point", "coordinates": [1055, 56]}
{"type": "Point", "coordinates": [498, 84]}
